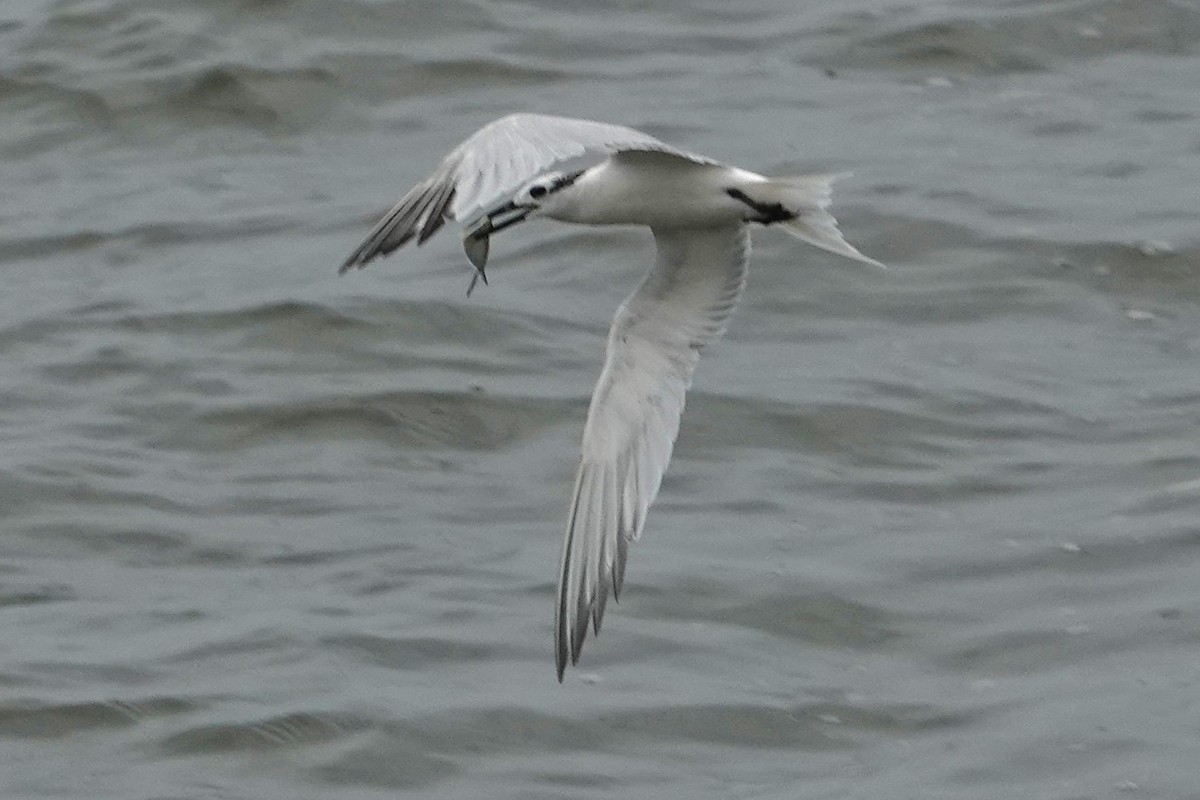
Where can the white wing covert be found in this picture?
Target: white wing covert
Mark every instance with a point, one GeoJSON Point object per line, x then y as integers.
{"type": "Point", "coordinates": [498, 158]}
{"type": "Point", "coordinates": [653, 346]}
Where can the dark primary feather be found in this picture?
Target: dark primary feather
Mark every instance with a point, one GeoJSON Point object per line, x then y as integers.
{"type": "Point", "coordinates": [419, 213]}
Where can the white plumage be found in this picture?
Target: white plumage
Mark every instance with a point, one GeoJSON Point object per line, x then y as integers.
{"type": "Point", "coordinates": [698, 210]}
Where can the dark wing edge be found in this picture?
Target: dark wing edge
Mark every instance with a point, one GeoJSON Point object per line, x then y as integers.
{"type": "Point", "coordinates": [419, 213]}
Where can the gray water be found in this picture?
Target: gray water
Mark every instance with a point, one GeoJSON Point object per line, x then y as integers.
{"type": "Point", "coordinates": [267, 533]}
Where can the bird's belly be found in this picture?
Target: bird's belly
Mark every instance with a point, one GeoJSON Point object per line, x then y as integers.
{"type": "Point", "coordinates": [684, 208]}
{"type": "Point", "coordinates": [690, 195]}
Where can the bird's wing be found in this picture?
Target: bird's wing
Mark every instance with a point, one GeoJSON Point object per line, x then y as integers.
{"type": "Point", "coordinates": [653, 347]}
{"type": "Point", "coordinates": [498, 158]}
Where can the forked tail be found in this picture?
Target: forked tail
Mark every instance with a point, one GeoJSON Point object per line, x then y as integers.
{"type": "Point", "coordinates": [799, 206]}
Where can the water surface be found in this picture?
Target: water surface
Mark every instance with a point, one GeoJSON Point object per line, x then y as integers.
{"type": "Point", "coordinates": [268, 533]}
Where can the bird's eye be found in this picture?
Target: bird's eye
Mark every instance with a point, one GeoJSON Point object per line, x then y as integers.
{"type": "Point", "coordinates": [537, 191]}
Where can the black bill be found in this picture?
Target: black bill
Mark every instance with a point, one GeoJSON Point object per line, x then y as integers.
{"type": "Point", "coordinates": [475, 239]}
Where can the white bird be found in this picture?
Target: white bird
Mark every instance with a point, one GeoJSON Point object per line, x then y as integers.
{"type": "Point", "coordinates": [698, 210]}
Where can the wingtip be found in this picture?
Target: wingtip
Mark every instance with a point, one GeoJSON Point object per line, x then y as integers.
{"type": "Point", "coordinates": [562, 648]}
{"type": "Point", "coordinates": [858, 256]}
{"type": "Point", "coordinates": [364, 254]}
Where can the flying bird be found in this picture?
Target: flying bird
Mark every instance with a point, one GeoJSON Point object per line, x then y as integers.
{"type": "Point", "coordinates": [699, 211]}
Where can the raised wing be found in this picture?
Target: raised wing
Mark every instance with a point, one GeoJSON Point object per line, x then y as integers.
{"type": "Point", "coordinates": [498, 158]}
{"type": "Point", "coordinates": [653, 347]}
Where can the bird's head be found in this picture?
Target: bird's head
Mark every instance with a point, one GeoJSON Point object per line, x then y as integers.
{"type": "Point", "coordinates": [532, 199]}
{"type": "Point", "coordinates": [542, 191]}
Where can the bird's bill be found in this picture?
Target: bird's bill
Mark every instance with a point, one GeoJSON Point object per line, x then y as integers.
{"type": "Point", "coordinates": [475, 239]}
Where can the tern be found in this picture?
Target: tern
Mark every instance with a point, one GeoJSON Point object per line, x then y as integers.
{"type": "Point", "coordinates": [699, 211]}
